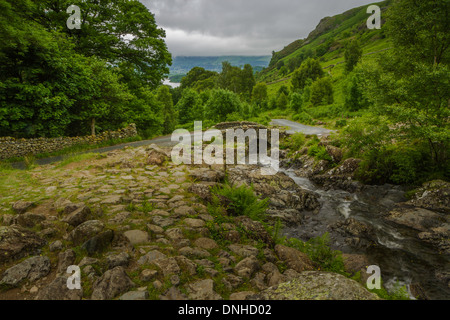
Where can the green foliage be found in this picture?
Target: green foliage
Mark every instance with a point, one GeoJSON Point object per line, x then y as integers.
{"type": "Point", "coordinates": [319, 251]}
{"type": "Point", "coordinates": [102, 34]}
{"type": "Point", "coordinates": [296, 102]}
{"type": "Point", "coordinates": [259, 95]}
{"type": "Point", "coordinates": [319, 152]}
{"type": "Point", "coordinates": [237, 80]}
{"type": "Point", "coordinates": [297, 141]}
{"type": "Point", "coordinates": [397, 293]}
{"type": "Point", "coordinates": [197, 78]}
{"type": "Point", "coordinates": [310, 69]}
{"type": "Point", "coordinates": [241, 201]}
{"type": "Point", "coordinates": [353, 54]}
{"type": "Point", "coordinates": [190, 107]}
{"type": "Point", "coordinates": [60, 82]}
{"type": "Point", "coordinates": [410, 85]}
{"type": "Point", "coordinates": [164, 97]}
{"type": "Point", "coordinates": [221, 104]}
{"type": "Point", "coordinates": [341, 123]}
{"type": "Point", "coordinates": [322, 92]}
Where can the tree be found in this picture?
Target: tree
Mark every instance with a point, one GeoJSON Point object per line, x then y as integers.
{"type": "Point", "coordinates": [310, 69]}
{"type": "Point", "coordinates": [355, 98]}
{"type": "Point", "coordinates": [221, 104]}
{"type": "Point", "coordinates": [353, 54]}
{"type": "Point", "coordinates": [189, 107]}
{"type": "Point", "coordinates": [282, 101]}
{"type": "Point", "coordinates": [164, 97]}
{"type": "Point", "coordinates": [247, 82]}
{"type": "Point", "coordinates": [322, 92]}
{"type": "Point", "coordinates": [103, 98]}
{"type": "Point", "coordinates": [196, 76]}
{"type": "Point", "coordinates": [296, 102]}
{"type": "Point", "coordinates": [411, 84]}
{"type": "Point", "coordinates": [122, 32]}
{"type": "Point", "coordinates": [259, 95]}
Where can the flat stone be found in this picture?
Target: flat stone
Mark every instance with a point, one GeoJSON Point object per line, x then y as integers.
{"type": "Point", "coordinates": [148, 275]}
{"type": "Point", "coordinates": [184, 211]}
{"type": "Point", "coordinates": [151, 257]}
{"type": "Point", "coordinates": [21, 206]}
{"type": "Point", "coordinates": [247, 267]}
{"type": "Point", "coordinates": [155, 229]}
{"type": "Point", "coordinates": [293, 258]}
{"type": "Point", "coordinates": [203, 290]}
{"type": "Point", "coordinates": [175, 234]}
{"type": "Point", "coordinates": [135, 295]}
{"type": "Point", "coordinates": [169, 266]}
{"type": "Point", "coordinates": [112, 200]}
{"type": "Point", "coordinates": [194, 223]}
{"type": "Point", "coordinates": [206, 243]}
{"type": "Point", "coordinates": [137, 237]}
{"type": "Point", "coordinates": [241, 296]}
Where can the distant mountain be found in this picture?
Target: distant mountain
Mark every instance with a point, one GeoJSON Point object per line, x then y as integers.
{"type": "Point", "coordinates": [182, 65]}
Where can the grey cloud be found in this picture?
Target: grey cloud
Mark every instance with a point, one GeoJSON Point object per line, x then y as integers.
{"type": "Point", "coordinates": [210, 27]}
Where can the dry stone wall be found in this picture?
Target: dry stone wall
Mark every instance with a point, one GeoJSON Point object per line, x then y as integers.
{"type": "Point", "coordinates": [11, 147]}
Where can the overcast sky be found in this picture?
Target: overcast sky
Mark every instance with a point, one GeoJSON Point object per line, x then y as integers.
{"type": "Point", "coordinates": [240, 27]}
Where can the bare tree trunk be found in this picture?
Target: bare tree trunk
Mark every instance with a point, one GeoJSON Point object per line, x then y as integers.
{"type": "Point", "coordinates": [93, 127]}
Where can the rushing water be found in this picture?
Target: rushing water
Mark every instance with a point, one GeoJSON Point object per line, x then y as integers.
{"type": "Point", "coordinates": [403, 259]}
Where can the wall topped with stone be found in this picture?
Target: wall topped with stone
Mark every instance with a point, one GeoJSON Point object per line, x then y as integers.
{"type": "Point", "coordinates": [11, 147]}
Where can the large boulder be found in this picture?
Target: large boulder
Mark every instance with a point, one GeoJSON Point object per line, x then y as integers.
{"type": "Point", "coordinates": [156, 155]}
{"type": "Point", "coordinates": [17, 243]}
{"type": "Point", "coordinates": [58, 290]}
{"type": "Point", "coordinates": [315, 285]}
{"type": "Point", "coordinates": [112, 284]}
{"type": "Point", "coordinates": [31, 270]}
{"type": "Point", "coordinates": [341, 177]}
{"type": "Point", "coordinates": [22, 206]}
{"type": "Point", "coordinates": [434, 195]}
{"type": "Point", "coordinates": [86, 231]}
{"type": "Point", "coordinates": [417, 218]}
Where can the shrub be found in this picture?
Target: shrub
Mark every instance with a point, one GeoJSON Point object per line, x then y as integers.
{"type": "Point", "coordinates": [241, 201]}
{"type": "Point", "coordinates": [319, 251]}
{"type": "Point", "coordinates": [341, 123]}
{"type": "Point", "coordinates": [298, 141]}
{"type": "Point", "coordinates": [319, 152]}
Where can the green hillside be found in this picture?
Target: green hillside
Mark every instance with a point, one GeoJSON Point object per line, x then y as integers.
{"type": "Point", "coordinates": [327, 43]}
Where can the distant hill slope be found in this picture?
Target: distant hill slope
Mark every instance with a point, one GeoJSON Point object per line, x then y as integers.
{"type": "Point", "coordinates": [182, 65]}
{"type": "Point", "coordinates": [328, 40]}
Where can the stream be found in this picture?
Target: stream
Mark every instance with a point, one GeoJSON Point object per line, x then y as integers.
{"type": "Point", "coordinates": [404, 260]}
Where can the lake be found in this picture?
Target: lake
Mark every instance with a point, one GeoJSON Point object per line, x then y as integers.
{"type": "Point", "coordinates": [172, 84]}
